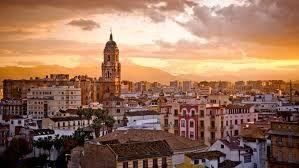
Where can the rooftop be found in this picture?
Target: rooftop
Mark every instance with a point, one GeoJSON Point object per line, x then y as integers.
{"type": "Point", "coordinates": [210, 155]}
{"type": "Point", "coordinates": [228, 163]}
{"type": "Point", "coordinates": [176, 143]}
{"type": "Point", "coordinates": [69, 118]}
{"type": "Point", "coordinates": [142, 113]}
{"type": "Point", "coordinates": [140, 150]}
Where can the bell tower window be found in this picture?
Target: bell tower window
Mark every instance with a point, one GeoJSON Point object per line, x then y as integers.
{"type": "Point", "coordinates": [108, 57]}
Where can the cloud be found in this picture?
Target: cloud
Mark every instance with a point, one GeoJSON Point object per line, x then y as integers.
{"type": "Point", "coordinates": [266, 24]}
{"type": "Point", "coordinates": [86, 25]}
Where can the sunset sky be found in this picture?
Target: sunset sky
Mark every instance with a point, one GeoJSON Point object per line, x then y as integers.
{"type": "Point", "coordinates": [256, 37]}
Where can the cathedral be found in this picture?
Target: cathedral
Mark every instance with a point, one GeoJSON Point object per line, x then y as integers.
{"type": "Point", "coordinates": [109, 83]}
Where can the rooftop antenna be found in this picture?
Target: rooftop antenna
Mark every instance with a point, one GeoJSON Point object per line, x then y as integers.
{"type": "Point", "coordinates": [291, 97]}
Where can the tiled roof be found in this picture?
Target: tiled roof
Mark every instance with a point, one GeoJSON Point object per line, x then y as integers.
{"type": "Point", "coordinates": [228, 164]}
{"type": "Point", "coordinates": [210, 155]}
{"type": "Point", "coordinates": [70, 118]}
{"type": "Point", "coordinates": [140, 150]}
{"type": "Point", "coordinates": [71, 111]}
{"type": "Point", "coordinates": [176, 143]}
{"type": "Point", "coordinates": [251, 131]}
{"type": "Point", "coordinates": [234, 143]}
{"type": "Point", "coordinates": [142, 113]}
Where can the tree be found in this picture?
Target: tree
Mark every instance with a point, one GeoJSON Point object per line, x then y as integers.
{"type": "Point", "coordinates": [17, 148]}
{"type": "Point", "coordinates": [58, 142]}
{"type": "Point", "coordinates": [88, 114]}
{"type": "Point", "coordinates": [47, 144]}
{"type": "Point", "coordinates": [80, 112]}
{"type": "Point", "coordinates": [103, 120]}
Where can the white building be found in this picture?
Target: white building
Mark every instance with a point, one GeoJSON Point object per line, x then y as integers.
{"type": "Point", "coordinates": [146, 119]}
{"type": "Point", "coordinates": [237, 150]}
{"type": "Point", "coordinates": [47, 101]}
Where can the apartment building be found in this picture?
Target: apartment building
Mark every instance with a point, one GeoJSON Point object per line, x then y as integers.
{"type": "Point", "coordinates": [156, 154]}
{"type": "Point", "coordinates": [236, 115]}
{"type": "Point", "coordinates": [284, 150]}
{"type": "Point", "coordinates": [47, 101]}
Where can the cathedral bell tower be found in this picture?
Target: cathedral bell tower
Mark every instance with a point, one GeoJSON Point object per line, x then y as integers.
{"type": "Point", "coordinates": [111, 70]}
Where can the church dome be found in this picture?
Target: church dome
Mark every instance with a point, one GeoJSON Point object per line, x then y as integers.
{"type": "Point", "coordinates": [111, 43]}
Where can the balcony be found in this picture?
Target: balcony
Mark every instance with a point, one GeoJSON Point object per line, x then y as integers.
{"type": "Point", "coordinates": [212, 128]}
{"type": "Point", "coordinates": [231, 126]}
{"type": "Point", "coordinates": [202, 128]}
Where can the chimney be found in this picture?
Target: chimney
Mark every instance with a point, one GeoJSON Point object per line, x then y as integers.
{"type": "Point", "coordinates": [241, 142]}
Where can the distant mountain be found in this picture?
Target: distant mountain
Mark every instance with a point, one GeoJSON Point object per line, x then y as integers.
{"type": "Point", "coordinates": [129, 72]}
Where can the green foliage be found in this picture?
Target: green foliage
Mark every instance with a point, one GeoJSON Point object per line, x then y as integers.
{"type": "Point", "coordinates": [102, 120]}
{"type": "Point", "coordinates": [16, 150]}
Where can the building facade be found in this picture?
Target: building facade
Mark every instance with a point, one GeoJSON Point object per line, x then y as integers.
{"type": "Point", "coordinates": [110, 82]}
{"type": "Point", "coordinates": [47, 101]}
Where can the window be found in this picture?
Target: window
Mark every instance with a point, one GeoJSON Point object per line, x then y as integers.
{"type": "Point", "coordinates": [191, 124]}
{"type": "Point", "coordinates": [155, 163]}
{"type": "Point", "coordinates": [183, 133]}
{"type": "Point", "coordinates": [176, 123]}
{"type": "Point", "coordinates": [135, 164]}
{"type": "Point", "coordinates": [203, 160]}
{"type": "Point", "coordinates": [247, 158]}
{"type": "Point", "coordinates": [125, 165]}
{"type": "Point", "coordinates": [248, 120]}
{"type": "Point", "coordinates": [226, 123]}
{"type": "Point", "coordinates": [212, 135]}
{"type": "Point", "coordinates": [222, 146]}
{"type": "Point", "coordinates": [118, 110]}
{"type": "Point", "coordinates": [184, 112]}
{"type": "Point", "coordinates": [236, 132]}
{"type": "Point", "coordinates": [202, 134]}
{"type": "Point", "coordinates": [202, 124]}
{"type": "Point", "coordinates": [196, 161]}
{"type": "Point", "coordinates": [236, 122]}
{"type": "Point", "coordinates": [166, 122]}
{"type": "Point", "coordinates": [213, 124]}
{"type": "Point", "coordinates": [191, 135]}
{"type": "Point", "coordinates": [176, 112]}
{"type": "Point", "coordinates": [192, 112]}
{"type": "Point", "coordinates": [145, 163]}
{"type": "Point", "coordinates": [183, 123]}
{"type": "Point", "coordinates": [241, 121]}
{"type": "Point", "coordinates": [202, 113]}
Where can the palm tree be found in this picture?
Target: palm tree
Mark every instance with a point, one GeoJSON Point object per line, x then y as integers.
{"type": "Point", "coordinates": [109, 122]}
{"type": "Point", "coordinates": [80, 112]}
{"type": "Point", "coordinates": [88, 113]}
{"type": "Point", "coordinates": [103, 120]}
{"type": "Point", "coordinates": [47, 144]}
{"type": "Point", "coordinates": [58, 142]}
{"type": "Point", "coordinates": [97, 125]}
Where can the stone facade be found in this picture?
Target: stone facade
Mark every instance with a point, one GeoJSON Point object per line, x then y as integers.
{"type": "Point", "coordinates": [284, 150]}
{"type": "Point", "coordinates": [109, 83]}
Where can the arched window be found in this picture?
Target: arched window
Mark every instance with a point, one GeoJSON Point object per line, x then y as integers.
{"type": "Point", "coordinates": [191, 123]}
{"type": "Point", "coordinates": [183, 123]}
{"type": "Point", "coordinates": [108, 57]}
